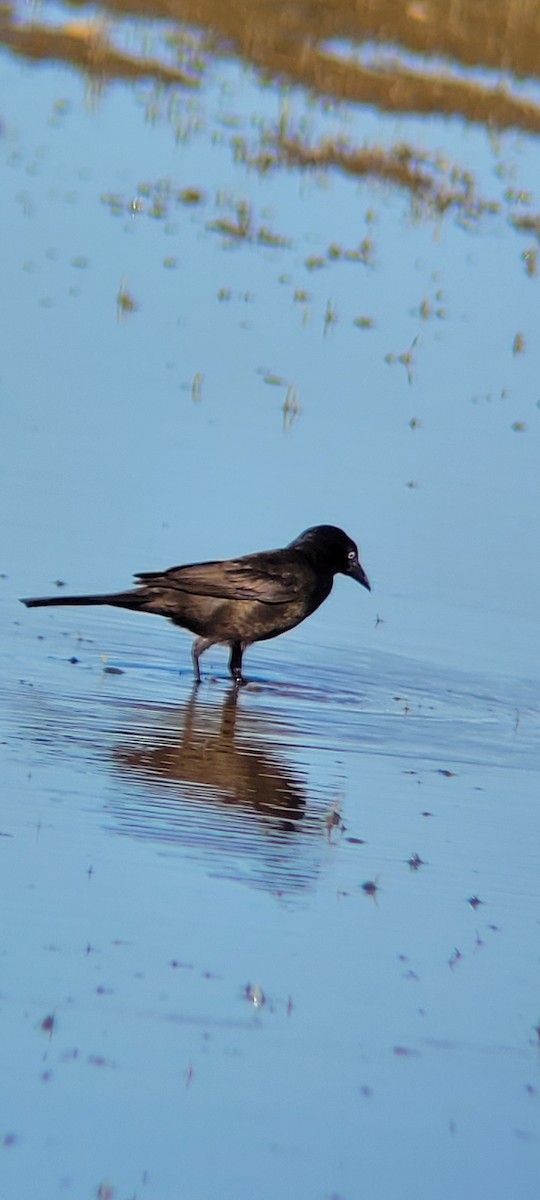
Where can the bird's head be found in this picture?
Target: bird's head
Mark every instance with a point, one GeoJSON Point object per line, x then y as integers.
{"type": "Point", "coordinates": [329, 548]}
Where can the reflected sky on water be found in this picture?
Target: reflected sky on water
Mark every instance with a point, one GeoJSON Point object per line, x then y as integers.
{"type": "Point", "coordinates": [283, 940]}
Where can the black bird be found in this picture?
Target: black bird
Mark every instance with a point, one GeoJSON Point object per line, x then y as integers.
{"type": "Point", "coordinates": [240, 600]}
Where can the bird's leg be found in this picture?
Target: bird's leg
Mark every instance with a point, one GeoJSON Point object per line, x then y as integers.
{"type": "Point", "coordinates": [199, 648]}
{"type": "Point", "coordinates": [235, 663]}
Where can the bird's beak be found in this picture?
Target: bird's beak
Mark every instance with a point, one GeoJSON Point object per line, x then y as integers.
{"type": "Point", "coordinates": [356, 571]}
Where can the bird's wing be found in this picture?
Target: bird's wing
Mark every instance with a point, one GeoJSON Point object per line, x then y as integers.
{"type": "Point", "coordinates": [255, 577]}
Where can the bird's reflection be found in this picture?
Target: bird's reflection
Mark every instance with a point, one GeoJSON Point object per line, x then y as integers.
{"type": "Point", "coordinates": [212, 779]}
{"type": "Point", "coordinates": [219, 779]}
{"type": "Point", "coordinates": [218, 754]}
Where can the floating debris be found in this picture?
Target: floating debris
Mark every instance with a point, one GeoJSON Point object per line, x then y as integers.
{"type": "Point", "coordinates": [291, 408]}
{"type": "Point", "coordinates": [191, 195]}
{"type": "Point", "coordinates": [255, 995]}
{"type": "Point", "coordinates": [330, 316]}
{"type": "Point", "coordinates": [406, 359]}
{"type": "Point", "coordinates": [315, 262]}
{"type": "Point", "coordinates": [125, 301]}
{"type": "Point", "coordinates": [274, 380]}
{"type": "Point", "coordinates": [196, 388]}
{"type": "Point", "coordinates": [530, 259]}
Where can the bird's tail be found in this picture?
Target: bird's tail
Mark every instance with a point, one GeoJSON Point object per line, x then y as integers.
{"type": "Point", "coordinates": [132, 600]}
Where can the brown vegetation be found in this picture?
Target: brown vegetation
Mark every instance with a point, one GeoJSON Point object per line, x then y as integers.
{"type": "Point", "coordinates": [295, 43]}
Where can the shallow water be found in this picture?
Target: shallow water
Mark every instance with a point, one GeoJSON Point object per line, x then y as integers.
{"type": "Point", "coordinates": [284, 940]}
{"type": "Point", "coordinates": [315, 897]}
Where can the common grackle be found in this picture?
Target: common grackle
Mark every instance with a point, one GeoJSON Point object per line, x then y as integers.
{"type": "Point", "coordinates": [240, 600]}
